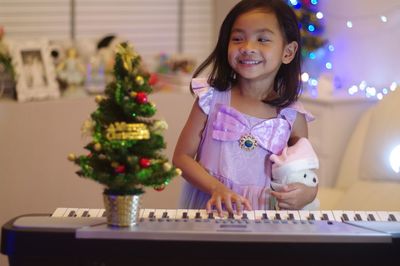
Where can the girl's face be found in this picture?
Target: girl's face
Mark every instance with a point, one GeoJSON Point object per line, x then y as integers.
{"type": "Point", "coordinates": [257, 47]}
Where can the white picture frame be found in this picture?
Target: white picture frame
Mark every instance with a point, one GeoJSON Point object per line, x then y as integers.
{"type": "Point", "coordinates": [35, 72]}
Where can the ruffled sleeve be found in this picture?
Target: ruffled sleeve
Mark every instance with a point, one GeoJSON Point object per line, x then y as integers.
{"type": "Point", "coordinates": [202, 89]}
{"type": "Point", "coordinates": [290, 112]}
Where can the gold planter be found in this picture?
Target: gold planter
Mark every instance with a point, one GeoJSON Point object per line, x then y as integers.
{"type": "Point", "coordinates": [122, 210]}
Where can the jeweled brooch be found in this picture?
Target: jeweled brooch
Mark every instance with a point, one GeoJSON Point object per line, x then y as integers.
{"type": "Point", "coordinates": [247, 142]}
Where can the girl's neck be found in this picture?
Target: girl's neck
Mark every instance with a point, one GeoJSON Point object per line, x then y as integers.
{"type": "Point", "coordinates": [257, 90]}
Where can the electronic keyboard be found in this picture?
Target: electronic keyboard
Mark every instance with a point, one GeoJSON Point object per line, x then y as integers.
{"type": "Point", "coordinates": [357, 236]}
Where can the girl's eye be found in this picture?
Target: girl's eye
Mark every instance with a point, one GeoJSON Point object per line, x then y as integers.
{"type": "Point", "coordinates": [236, 39]}
{"type": "Point", "coordinates": [263, 40]}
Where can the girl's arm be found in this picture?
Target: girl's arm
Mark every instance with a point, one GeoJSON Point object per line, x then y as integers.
{"type": "Point", "coordinates": [296, 195]}
{"type": "Point", "coordinates": [194, 173]}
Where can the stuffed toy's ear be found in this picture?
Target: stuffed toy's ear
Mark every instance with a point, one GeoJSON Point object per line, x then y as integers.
{"type": "Point", "coordinates": [279, 159]}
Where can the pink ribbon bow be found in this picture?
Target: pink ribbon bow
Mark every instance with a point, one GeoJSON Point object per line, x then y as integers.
{"type": "Point", "coordinates": [230, 125]}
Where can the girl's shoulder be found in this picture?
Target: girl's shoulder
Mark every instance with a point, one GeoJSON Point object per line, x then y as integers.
{"type": "Point", "coordinates": [290, 112]}
{"type": "Point", "coordinates": [205, 93]}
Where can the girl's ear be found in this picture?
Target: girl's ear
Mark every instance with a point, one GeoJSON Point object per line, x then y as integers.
{"type": "Point", "coordinates": [289, 52]}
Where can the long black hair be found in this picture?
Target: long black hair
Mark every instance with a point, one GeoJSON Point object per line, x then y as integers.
{"type": "Point", "coordinates": [287, 81]}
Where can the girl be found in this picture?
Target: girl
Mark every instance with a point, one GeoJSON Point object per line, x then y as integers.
{"type": "Point", "coordinates": [245, 111]}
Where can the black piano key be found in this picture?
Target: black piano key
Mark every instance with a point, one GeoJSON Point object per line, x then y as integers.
{"type": "Point", "coordinates": [198, 216]}
{"type": "Point", "coordinates": [244, 216]}
{"type": "Point", "coordinates": [165, 215]}
{"type": "Point", "coordinates": [291, 216]}
{"type": "Point", "coordinates": [231, 216]}
{"type": "Point", "coordinates": [264, 216]}
{"type": "Point", "coordinates": [392, 218]}
{"type": "Point", "coordinates": [357, 217]}
{"type": "Point", "coordinates": [278, 216]}
{"type": "Point", "coordinates": [210, 215]}
{"type": "Point", "coordinates": [104, 214]}
{"type": "Point", "coordinates": [185, 215]}
{"type": "Point", "coordinates": [151, 215]}
{"type": "Point", "coordinates": [311, 217]}
{"type": "Point", "coordinates": [325, 217]}
{"type": "Point", "coordinates": [371, 217]}
{"type": "Point", "coordinates": [345, 217]}
{"type": "Point", "coordinates": [85, 214]}
{"type": "Point", "coordinates": [72, 214]}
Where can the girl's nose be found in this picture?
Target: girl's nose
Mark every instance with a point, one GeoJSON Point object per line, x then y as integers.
{"type": "Point", "coordinates": [247, 48]}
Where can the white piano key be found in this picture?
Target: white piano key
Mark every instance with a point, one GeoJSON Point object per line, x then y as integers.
{"type": "Point", "coordinates": [101, 213]}
{"type": "Point", "coordinates": [304, 214]}
{"type": "Point", "coordinates": [340, 215]}
{"type": "Point", "coordinates": [158, 213]}
{"type": "Point", "coordinates": [59, 212]}
{"type": "Point", "coordinates": [271, 214]}
{"type": "Point", "coordinates": [141, 212]}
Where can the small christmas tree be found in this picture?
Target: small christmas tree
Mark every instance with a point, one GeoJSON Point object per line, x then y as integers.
{"type": "Point", "coordinates": [124, 154]}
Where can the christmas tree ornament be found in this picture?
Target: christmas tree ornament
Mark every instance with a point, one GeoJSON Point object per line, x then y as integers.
{"type": "Point", "coordinates": [159, 126]}
{"type": "Point", "coordinates": [114, 164]}
{"type": "Point", "coordinates": [139, 80]}
{"type": "Point", "coordinates": [127, 54]}
{"type": "Point", "coordinates": [144, 162]}
{"type": "Point", "coordinates": [120, 169]}
{"type": "Point", "coordinates": [125, 131]}
{"type": "Point", "coordinates": [178, 171]}
{"type": "Point", "coordinates": [167, 166]}
{"type": "Point", "coordinates": [97, 146]}
{"type": "Point", "coordinates": [133, 94]}
{"type": "Point", "coordinates": [153, 79]}
{"type": "Point", "coordinates": [159, 187]}
{"type": "Point", "coordinates": [71, 157]}
{"type": "Point", "coordinates": [99, 98]}
{"type": "Point", "coordinates": [141, 97]}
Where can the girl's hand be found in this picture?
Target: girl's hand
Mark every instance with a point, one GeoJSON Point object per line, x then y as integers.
{"type": "Point", "coordinates": [226, 196]}
{"type": "Point", "coordinates": [295, 196]}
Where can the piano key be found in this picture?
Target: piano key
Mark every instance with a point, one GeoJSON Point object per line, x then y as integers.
{"type": "Point", "coordinates": [146, 214]}
{"type": "Point", "coordinates": [192, 213]}
{"type": "Point", "coordinates": [367, 215]}
{"type": "Point", "coordinates": [327, 216]}
{"type": "Point", "coordinates": [391, 216]}
{"type": "Point", "coordinates": [171, 213]}
{"type": "Point", "coordinates": [311, 217]}
{"type": "Point", "coordinates": [304, 214]}
{"type": "Point", "coordinates": [271, 214]}
{"type": "Point", "coordinates": [59, 212]}
{"type": "Point", "coordinates": [94, 212]}
{"type": "Point", "coordinates": [293, 215]}
{"type": "Point", "coordinates": [258, 214]}
{"type": "Point", "coordinates": [249, 214]}
{"type": "Point", "coordinates": [71, 212]}
{"type": "Point", "coordinates": [82, 212]}
{"type": "Point", "coordinates": [316, 215]}
{"type": "Point", "coordinates": [182, 214]}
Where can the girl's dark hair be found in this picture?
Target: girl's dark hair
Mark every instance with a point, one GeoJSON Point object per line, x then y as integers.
{"type": "Point", "coordinates": [287, 81]}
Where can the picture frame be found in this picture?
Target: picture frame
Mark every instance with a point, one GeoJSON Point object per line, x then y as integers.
{"type": "Point", "coordinates": [35, 71]}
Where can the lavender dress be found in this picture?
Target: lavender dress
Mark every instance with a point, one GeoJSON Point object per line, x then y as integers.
{"type": "Point", "coordinates": [235, 147]}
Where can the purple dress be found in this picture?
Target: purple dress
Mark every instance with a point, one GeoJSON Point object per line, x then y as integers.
{"type": "Point", "coordinates": [235, 147]}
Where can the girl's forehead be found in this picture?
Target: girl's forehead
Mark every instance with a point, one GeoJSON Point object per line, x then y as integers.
{"type": "Point", "coordinates": [256, 19]}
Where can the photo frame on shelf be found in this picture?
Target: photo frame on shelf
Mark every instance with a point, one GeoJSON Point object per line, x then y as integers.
{"type": "Point", "coordinates": [35, 73]}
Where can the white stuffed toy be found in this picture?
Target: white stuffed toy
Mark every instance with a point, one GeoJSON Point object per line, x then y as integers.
{"type": "Point", "coordinates": [295, 165]}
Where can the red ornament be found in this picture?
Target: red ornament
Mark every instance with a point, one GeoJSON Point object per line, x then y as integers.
{"type": "Point", "coordinates": [159, 187]}
{"type": "Point", "coordinates": [153, 79]}
{"type": "Point", "coordinates": [141, 97]}
{"type": "Point", "coordinates": [144, 162]}
{"type": "Point", "coordinates": [120, 169]}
